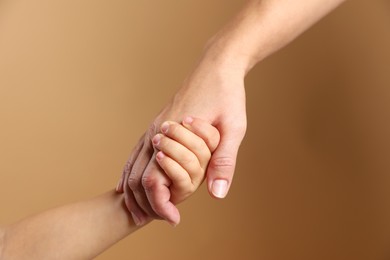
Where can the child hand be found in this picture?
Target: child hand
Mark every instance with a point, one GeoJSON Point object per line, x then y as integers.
{"type": "Point", "coordinates": [184, 153]}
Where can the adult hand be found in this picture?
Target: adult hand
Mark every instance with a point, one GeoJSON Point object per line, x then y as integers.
{"type": "Point", "coordinates": [214, 92]}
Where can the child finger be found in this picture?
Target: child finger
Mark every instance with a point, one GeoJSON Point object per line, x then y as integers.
{"type": "Point", "coordinates": [204, 130]}
{"type": "Point", "coordinates": [157, 191]}
{"type": "Point", "coordinates": [179, 153]}
{"type": "Point", "coordinates": [188, 139]}
{"type": "Point", "coordinates": [180, 179]}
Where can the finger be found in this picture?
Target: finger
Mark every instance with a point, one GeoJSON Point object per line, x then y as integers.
{"type": "Point", "coordinates": [223, 162]}
{"type": "Point", "coordinates": [204, 130]}
{"type": "Point", "coordinates": [194, 143]}
{"type": "Point", "coordinates": [156, 185]}
{"type": "Point", "coordinates": [139, 217]}
{"type": "Point", "coordinates": [129, 164]}
{"type": "Point", "coordinates": [179, 153]}
{"type": "Point", "coordinates": [135, 179]}
{"type": "Point", "coordinates": [181, 182]}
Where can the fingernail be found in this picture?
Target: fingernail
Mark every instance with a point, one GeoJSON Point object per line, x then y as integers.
{"type": "Point", "coordinates": [119, 185]}
{"type": "Point", "coordinates": [165, 127]}
{"type": "Point", "coordinates": [219, 188]}
{"type": "Point", "coordinates": [156, 139]}
{"type": "Point", "coordinates": [136, 219]}
{"type": "Point", "coordinates": [173, 224]}
{"type": "Point", "coordinates": [188, 120]}
{"type": "Point", "coordinates": [160, 155]}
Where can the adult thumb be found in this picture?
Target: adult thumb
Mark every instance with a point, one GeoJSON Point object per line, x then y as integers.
{"type": "Point", "coordinates": [223, 163]}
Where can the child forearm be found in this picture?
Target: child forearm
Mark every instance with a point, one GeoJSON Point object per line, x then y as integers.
{"type": "Point", "coordinates": [76, 231]}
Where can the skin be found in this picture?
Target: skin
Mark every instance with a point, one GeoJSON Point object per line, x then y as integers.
{"type": "Point", "coordinates": [2, 234]}
{"type": "Point", "coordinates": [76, 231]}
{"type": "Point", "coordinates": [84, 229]}
{"type": "Point", "coordinates": [215, 91]}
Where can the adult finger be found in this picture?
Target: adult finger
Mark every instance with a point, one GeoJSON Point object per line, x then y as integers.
{"type": "Point", "coordinates": [223, 161]}
{"type": "Point", "coordinates": [137, 213]}
{"type": "Point", "coordinates": [129, 165]}
{"type": "Point", "coordinates": [135, 179]}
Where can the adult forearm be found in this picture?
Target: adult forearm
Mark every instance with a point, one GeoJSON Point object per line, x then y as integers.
{"type": "Point", "coordinates": [263, 27]}
{"type": "Point", "coordinates": [76, 231]}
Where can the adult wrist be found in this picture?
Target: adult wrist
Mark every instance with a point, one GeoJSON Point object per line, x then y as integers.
{"type": "Point", "coordinates": [226, 56]}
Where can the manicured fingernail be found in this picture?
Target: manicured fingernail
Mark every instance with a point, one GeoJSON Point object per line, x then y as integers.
{"type": "Point", "coordinates": [165, 127]}
{"type": "Point", "coordinates": [188, 120]}
{"type": "Point", "coordinates": [219, 188]}
{"type": "Point", "coordinates": [119, 185]}
{"type": "Point", "coordinates": [156, 139]}
{"type": "Point", "coordinates": [136, 219]}
{"type": "Point", "coordinates": [160, 155]}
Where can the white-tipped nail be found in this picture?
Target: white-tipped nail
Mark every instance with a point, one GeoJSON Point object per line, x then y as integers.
{"type": "Point", "coordinates": [219, 188]}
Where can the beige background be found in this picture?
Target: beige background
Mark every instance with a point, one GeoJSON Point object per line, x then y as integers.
{"type": "Point", "coordinates": [81, 80]}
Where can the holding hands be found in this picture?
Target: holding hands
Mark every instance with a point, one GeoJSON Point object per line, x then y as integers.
{"type": "Point", "coordinates": [215, 92]}
{"type": "Point", "coordinates": [183, 152]}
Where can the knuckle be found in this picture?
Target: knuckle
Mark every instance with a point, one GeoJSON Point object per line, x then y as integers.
{"type": "Point", "coordinates": [200, 145]}
{"type": "Point", "coordinates": [133, 182]}
{"type": "Point", "coordinates": [188, 159]}
{"type": "Point", "coordinates": [173, 128]}
{"type": "Point", "coordinates": [152, 130]}
{"type": "Point", "coordinates": [206, 155]}
{"type": "Point", "coordinates": [127, 167]}
{"type": "Point", "coordinates": [148, 182]}
{"type": "Point", "coordinates": [222, 163]}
